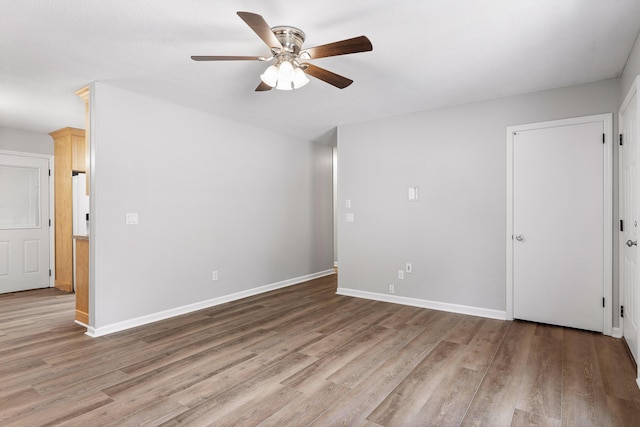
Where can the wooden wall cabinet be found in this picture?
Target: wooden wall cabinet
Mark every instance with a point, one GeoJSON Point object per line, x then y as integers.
{"type": "Point", "coordinates": [67, 144]}
{"type": "Point", "coordinates": [78, 153]}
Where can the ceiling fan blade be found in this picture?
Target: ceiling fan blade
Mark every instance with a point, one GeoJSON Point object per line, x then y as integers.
{"type": "Point", "coordinates": [263, 87]}
{"type": "Point", "coordinates": [344, 47]}
{"type": "Point", "coordinates": [327, 76]}
{"type": "Point", "coordinates": [226, 58]}
{"type": "Point", "coordinates": [261, 28]}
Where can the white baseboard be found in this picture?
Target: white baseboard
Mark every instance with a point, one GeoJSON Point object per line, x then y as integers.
{"type": "Point", "coordinates": [616, 333]}
{"type": "Point", "coordinates": [453, 308]}
{"type": "Point", "coordinates": [162, 315]}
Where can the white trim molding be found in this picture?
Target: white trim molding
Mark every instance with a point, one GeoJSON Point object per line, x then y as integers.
{"type": "Point", "coordinates": [434, 305]}
{"type": "Point", "coordinates": [607, 126]}
{"type": "Point", "coordinates": [162, 315]}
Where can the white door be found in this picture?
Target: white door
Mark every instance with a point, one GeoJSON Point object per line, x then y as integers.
{"type": "Point", "coordinates": [24, 223]}
{"type": "Point", "coordinates": [629, 230]}
{"type": "Point", "coordinates": [558, 225]}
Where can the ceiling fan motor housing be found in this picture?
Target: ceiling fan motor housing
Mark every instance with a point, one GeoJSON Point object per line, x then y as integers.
{"type": "Point", "coordinates": [291, 38]}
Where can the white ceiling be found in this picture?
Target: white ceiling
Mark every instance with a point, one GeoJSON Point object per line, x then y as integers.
{"type": "Point", "coordinates": [426, 54]}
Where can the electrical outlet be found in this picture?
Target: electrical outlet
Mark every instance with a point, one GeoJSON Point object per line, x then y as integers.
{"type": "Point", "coordinates": [215, 275]}
{"type": "Point", "coordinates": [401, 274]}
{"type": "Point", "coordinates": [408, 268]}
{"type": "Point", "coordinates": [392, 289]}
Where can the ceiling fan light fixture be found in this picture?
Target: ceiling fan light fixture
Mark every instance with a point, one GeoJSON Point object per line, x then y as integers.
{"type": "Point", "coordinates": [270, 76]}
{"type": "Point", "coordinates": [286, 69]}
{"type": "Point", "coordinates": [284, 76]}
{"type": "Point", "coordinates": [299, 78]}
{"type": "Point", "coordinates": [285, 45]}
{"type": "Point", "coordinates": [284, 84]}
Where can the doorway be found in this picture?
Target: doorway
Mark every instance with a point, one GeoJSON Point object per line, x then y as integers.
{"type": "Point", "coordinates": [559, 216]}
{"type": "Point", "coordinates": [25, 232]}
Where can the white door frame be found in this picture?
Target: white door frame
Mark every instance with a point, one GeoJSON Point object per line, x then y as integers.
{"type": "Point", "coordinates": [607, 120]}
{"type": "Point", "coordinates": [633, 90]}
{"type": "Point", "coordinates": [52, 243]}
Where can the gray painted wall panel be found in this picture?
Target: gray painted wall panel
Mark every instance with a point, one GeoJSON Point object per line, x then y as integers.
{"type": "Point", "coordinates": [26, 141]}
{"type": "Point", "coordinates": [455, 234]}
{"type": "Point", "coordinates": [211, 194]}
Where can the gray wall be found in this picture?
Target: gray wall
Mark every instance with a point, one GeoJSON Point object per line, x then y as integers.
{"type": "Point", "coordinates": [26, 141]}
{"type": "Point", "coordinates": [631, 70]}
{"type": "Point", "coordinates": [211, 194]}
{"type": "Point", "coordinates": [455, 235]}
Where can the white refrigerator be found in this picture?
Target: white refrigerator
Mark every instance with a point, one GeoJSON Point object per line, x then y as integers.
{"type": "Point", "coordinates": [80, 205]}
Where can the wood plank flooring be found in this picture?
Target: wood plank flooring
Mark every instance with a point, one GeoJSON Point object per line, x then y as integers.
{"type": "Point", "coordinates": [304, 356]}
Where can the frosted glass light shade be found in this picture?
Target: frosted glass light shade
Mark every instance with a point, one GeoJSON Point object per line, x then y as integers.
{"type": "Point", "coordinates": [284, 84]}
{"type": "Point", "coordinates": [299, 78]}
{"type": "Point", "coordinates": [285, 76]}
{"type": "Point", "coordinates": [286, 69]}
{"type": "Point", "coordinates": [270, 76]}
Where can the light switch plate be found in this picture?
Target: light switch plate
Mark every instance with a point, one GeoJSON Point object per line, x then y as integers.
{"type": "Point", "coordinates": [348, 217]}
{"type": "Point", "coordinates": [413, 194]}
{"type": "Point", "coordinates": [347, 203]}
{"type": "Point", "coordinates": [131, 218]}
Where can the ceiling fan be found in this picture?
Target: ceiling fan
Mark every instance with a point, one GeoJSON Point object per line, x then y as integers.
{"type": "Point", "coordinates": [290, 68]}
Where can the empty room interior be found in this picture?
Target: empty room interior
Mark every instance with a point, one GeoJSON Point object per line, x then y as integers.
{"type": "Point", "coordinates": [364, 213]}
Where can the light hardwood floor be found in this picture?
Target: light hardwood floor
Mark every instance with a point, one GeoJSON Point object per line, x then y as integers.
{"type": "Point", "coordinates": [305, 356]}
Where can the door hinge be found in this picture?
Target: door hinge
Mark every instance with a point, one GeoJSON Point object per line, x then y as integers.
{"type": "Point", "coordinates": [603, 137]}
{"type": "Point", "coordinates": [49, 272]}
{"type": "Point", "coordinates": [603, 302]}
{"type": "Point", "coordinates": [620, 139]}
{"type": "Point", "coordinates": [621, 225]}
{"type": "Point", "coordinates": [49, 172]}
{"type": "Point", "coordinates": [622, 311]}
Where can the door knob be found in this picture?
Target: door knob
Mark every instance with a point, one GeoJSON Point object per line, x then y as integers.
{"type": "Point", "coordinates": [519, 237]}
{"type": "Point", "coordinates": [632, 243]}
